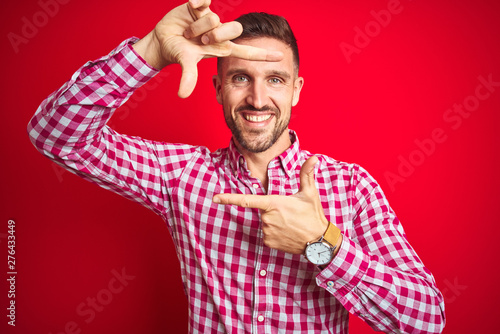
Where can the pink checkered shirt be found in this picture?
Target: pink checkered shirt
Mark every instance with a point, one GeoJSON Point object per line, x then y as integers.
{"type": "Point", "coordinates": [234, 283]}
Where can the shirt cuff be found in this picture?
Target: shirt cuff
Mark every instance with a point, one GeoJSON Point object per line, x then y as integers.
{"type": "Point", "coordinates": [346, 270]}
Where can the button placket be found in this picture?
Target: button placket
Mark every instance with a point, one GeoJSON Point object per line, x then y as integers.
{"type": "Point", "coordinates": [260, 289]}
{"type": "Point", "coordinates": [276, 175]}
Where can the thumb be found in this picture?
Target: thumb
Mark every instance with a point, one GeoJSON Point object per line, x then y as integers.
{"type": "Point", "coordinates": [188, 78]}
{"type": "Point", "coordinates": [307, 175]}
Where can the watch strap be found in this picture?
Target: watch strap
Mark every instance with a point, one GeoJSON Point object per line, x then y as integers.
{"type": "Point", "coordinates": [332, 234]}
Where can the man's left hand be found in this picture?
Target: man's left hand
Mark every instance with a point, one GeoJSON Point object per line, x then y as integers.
{"type": "Point", "coordinates": [288, 222]}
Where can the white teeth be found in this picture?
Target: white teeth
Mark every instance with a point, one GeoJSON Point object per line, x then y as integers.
{"type": "Point", "coordinates": [253, 118]}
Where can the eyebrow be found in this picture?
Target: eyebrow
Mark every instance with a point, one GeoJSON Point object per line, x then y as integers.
{"type": "Point", "coordinates": [278, 73]}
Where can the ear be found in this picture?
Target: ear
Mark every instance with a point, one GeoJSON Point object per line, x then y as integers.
{"type": "Point", "coordinates": [297, 87]}
{"type": "Point", "coordinates": [218, 87]}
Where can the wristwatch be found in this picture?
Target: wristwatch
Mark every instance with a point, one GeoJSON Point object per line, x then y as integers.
{"type": "Point", "coordinates": [321, 252]}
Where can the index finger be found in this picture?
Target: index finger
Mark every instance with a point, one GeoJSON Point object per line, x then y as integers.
{"type": "Point", "coordinates": [252, 53]}
{"type": "Point", "coordinates": [246, 201]}
{"type": "Point", "coordinates": [231, 30]}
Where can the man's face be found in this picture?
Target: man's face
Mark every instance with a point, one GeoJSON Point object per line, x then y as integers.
{"type": "Point", "coordinates": [257, 96]}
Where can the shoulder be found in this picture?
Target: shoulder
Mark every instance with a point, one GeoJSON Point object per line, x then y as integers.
{"type": "Point", "coordinates": [328, 164]}
{"type": "Point", "coordinates": [341, 171]}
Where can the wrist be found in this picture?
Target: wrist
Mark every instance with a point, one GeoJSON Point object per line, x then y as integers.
{"type": "Point", "coordinates": [322, 251]}
{"type": "Point", "coordinates": [334, 237]}
{"type": "Point", "coordinates": [150, 50]}
{"type": "Point", "coordinates": [336, 244]}
{"type": "Point", "coordinates": [332, 234]}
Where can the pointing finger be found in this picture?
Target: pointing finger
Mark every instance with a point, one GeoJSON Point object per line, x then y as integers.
{"type": "Point", "coordinates": [220, 37]}
{"type": "Point", "coordinates": [307, 174]}
{"type": "Point", "coordinates": [245, 201]}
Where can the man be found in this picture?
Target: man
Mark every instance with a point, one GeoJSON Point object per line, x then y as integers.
{"type": "Point", "coordinates": [270, 238]}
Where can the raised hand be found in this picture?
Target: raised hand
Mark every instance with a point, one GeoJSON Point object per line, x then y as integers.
{"type": "Point", "coordinates": [288, 222]}
{"type": "Point", "coordinates": [191, 32]}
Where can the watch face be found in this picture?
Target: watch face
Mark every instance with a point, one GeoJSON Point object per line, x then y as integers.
{"type": "Point", "coordinates": [319, 253]}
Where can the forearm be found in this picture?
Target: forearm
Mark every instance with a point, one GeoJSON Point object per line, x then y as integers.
{"type": "Point", "coordinates": [388, 298]}
{"type": "Point", "coordinates": [76, 114]}
{"type": "Point", "coordinates": [376, 274]}
{"type": "Point", "coordinates": [70, 128]}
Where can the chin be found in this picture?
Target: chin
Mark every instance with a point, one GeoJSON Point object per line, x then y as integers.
{"type": "Point", "coordinates": [258, 145]}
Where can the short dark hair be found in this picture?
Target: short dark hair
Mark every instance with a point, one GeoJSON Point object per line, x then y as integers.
{"type": "Point", "coordinates": [268, 25]}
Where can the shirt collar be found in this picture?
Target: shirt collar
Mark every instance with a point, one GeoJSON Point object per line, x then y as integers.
{"type": "Point", "coordinates": [288, 159]}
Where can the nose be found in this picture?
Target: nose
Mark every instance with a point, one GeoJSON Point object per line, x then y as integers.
{"type": "Point", "coordinates": [257, 95]}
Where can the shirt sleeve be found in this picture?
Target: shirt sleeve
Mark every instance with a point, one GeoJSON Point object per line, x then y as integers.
{"type": "Point", "coordinates": [376, 274]}
{"type": "Point", "coordinates": [70, 128]}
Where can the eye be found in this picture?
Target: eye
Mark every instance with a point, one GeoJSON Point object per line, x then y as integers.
{"type": "Point", "coordinates": [240, 78]}
{"type": "Point", "coordinates": [275, 80]}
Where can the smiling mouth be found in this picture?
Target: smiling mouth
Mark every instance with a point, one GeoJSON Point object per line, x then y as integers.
{"type": "Point", "coordinates": [257, 118]}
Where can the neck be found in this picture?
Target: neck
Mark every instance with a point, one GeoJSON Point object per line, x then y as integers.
{"type": "Point", "coordinates": [257, 162]}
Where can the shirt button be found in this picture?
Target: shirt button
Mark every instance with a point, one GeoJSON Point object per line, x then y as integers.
{"type": "Point", "coordinates": [255, 185]}
{"type": "Point", "coordinates": [330, 284]}
{"type": "Point", "coordinates": [241, 160]}
{"type": "Point", "coordinates": [260, 318]}
{"type": "Point", "coordinates": [263, 272]}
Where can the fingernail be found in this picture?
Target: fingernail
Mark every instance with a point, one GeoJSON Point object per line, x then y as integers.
{"type": "Point", "coordinates": [216, 200]}
{"type": "Point", "coordinates": [205, 39]}
{"type": "Point", "coordinates": [195, 2]}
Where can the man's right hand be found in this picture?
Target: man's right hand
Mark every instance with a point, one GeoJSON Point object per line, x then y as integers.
{"type": "Point", "coordinates": [190, 33]}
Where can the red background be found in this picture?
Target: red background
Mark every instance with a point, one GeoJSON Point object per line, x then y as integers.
{"type": "Point", "coordinates": [370, 110]}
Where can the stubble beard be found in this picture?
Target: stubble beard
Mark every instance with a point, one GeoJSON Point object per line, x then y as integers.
{"type": "Point", "coordinates": [257, 145]}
